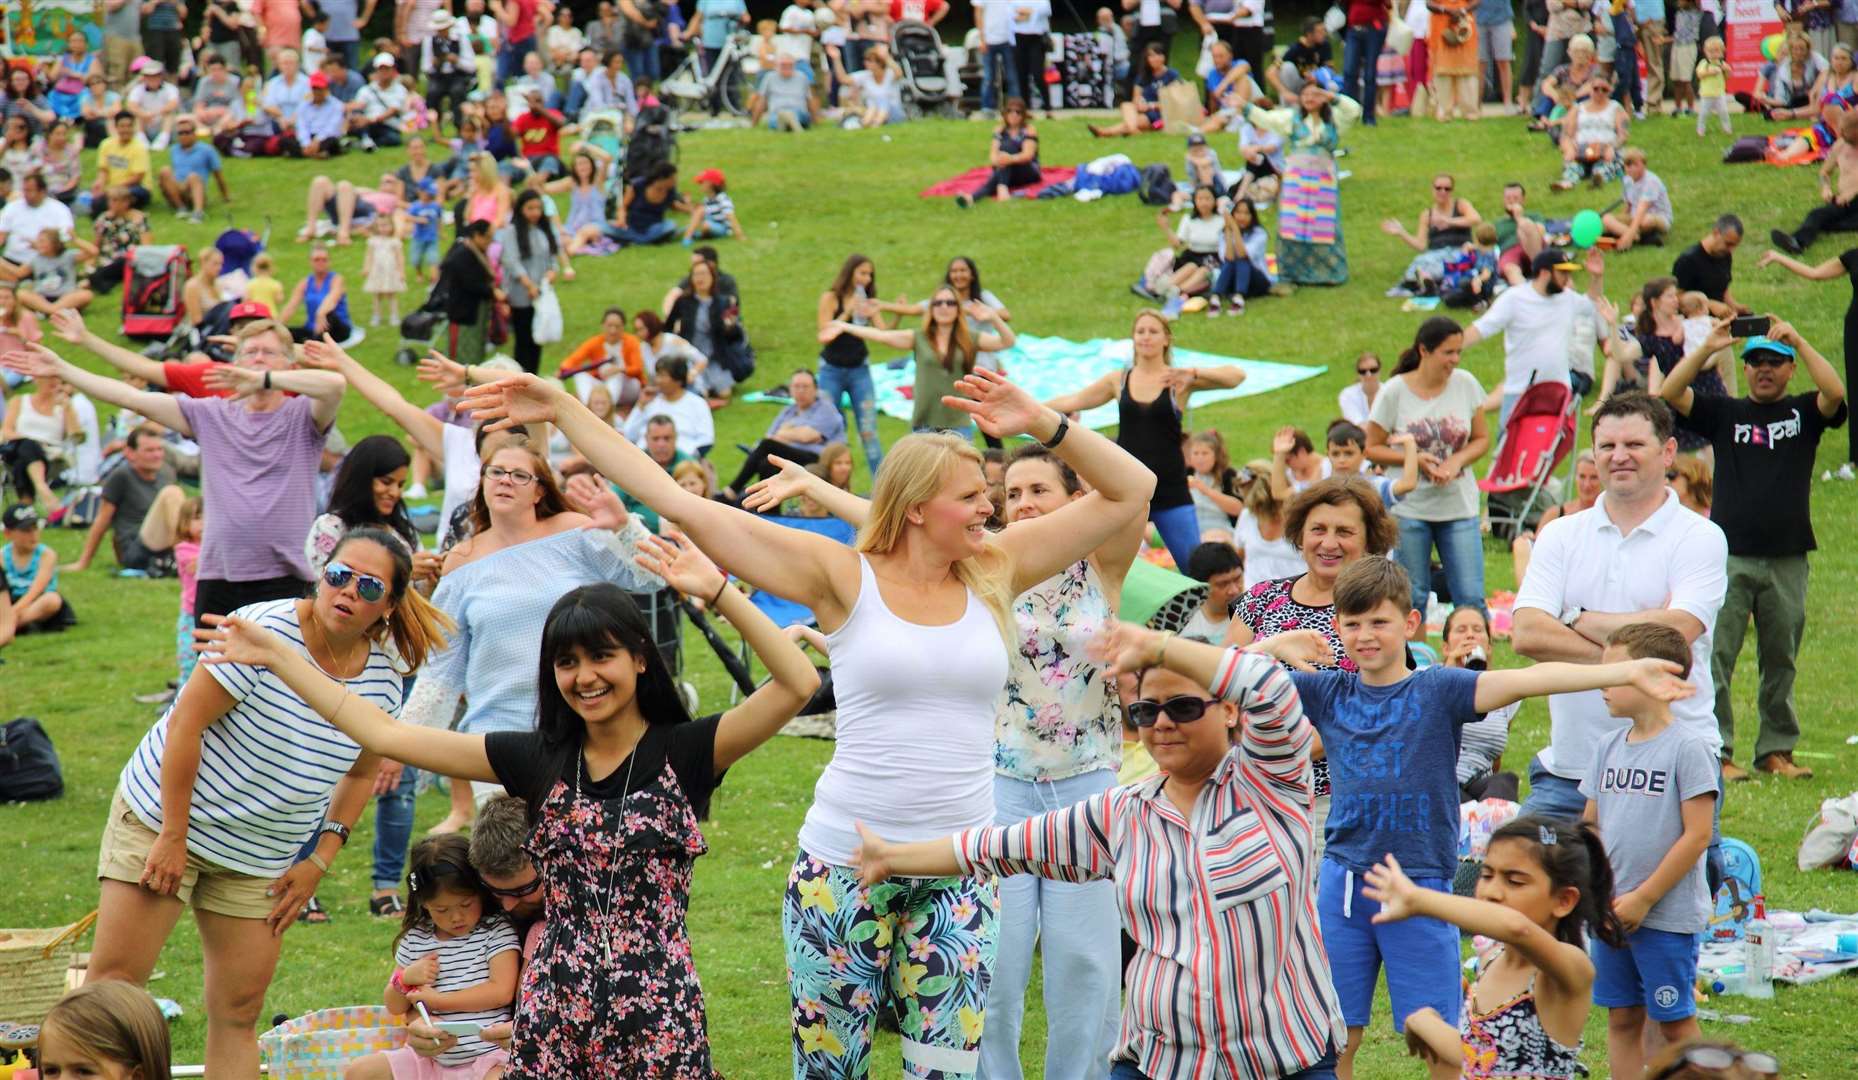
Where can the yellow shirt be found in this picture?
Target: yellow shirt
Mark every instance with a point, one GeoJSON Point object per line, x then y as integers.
{"type": "Point", "coordinates": [1137, 764]}
{"type": "Point", "coordinates": [123, 163]}
{"type": "Point", "coordinates": [268, 291]}
{"type": "Point", "coordinates": [1712, 78]}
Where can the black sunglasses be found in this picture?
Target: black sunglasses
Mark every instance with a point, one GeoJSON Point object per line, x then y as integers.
{"type": "Point", "coordinates": [944, 303]}
{"type": "Point", "coordinates": [337, 576]}
{"type": "Point", "coordinates": [517, 893]}
{"type": "Point", "coordinates": [1719, 1058]}
{"type": "Point", "coordinates": [1765, 358]}
{"type": "Point", "coordinates": [1367, 371]}
{"type": "Point", "coordinates": [1181, 710]}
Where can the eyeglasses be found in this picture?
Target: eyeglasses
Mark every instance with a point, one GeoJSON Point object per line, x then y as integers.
{"type": "Point", "coordinates": [517, 893]}
{"type": "Point", "coordinates": [1719, 1058]}
{"type": "Point", "coordinates": [1368, 370]}
{"type": "Point", "coordinates": [943, 303]}
{"type": "Point", "coordinates": [337, 576]}
{"type": "Point", "coordinates": [1181, 710]}
{"type": "Point", "coordinates": [515, 476]}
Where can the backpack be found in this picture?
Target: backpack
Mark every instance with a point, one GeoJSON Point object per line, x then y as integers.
{"type": "Point", "coordinates": [738, 360]}
{"type": "Point", "coordinates": [1157, 185]}
{"type": "Point", "coordinates": [29, 769]}
{"type": "Point", "coordinates": [1735, 898]}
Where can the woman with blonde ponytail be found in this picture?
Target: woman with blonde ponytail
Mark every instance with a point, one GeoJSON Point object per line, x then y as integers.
{"type": "Point", "coordinates": [917, 618]}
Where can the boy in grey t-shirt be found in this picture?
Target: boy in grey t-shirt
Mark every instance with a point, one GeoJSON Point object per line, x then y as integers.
{"type": "Point", "coordinates": [1652, 790]}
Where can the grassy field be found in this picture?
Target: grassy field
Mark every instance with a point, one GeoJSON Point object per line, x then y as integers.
{"type": "Point", "coordinates": [1063, 268]}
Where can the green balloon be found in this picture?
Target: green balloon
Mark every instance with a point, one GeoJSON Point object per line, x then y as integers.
{"type": "Point", "coordinates": [1585, 228]}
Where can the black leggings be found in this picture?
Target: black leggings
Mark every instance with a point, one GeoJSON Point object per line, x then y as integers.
{"type": "Point", "coordinates": [1029, 58]}
{"type": "Point", "coordinates": [1011, 176]}
{"type": "Point", "coordinates": [757, 467]}
{"type": "Point", "coordinates": [214, 596]}
{"type": "Point", "coordinates": [1825, 218]}
{"type": "Point", "coordinates": [19, 455]}
{"type": "Point", "coordinates": [339, 329]}
{"type": "Point", "coordinates": [522, 330]}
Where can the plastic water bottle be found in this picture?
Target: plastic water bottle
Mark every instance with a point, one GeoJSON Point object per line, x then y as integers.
{"type": "Point", "coordinates": [1758, 940]}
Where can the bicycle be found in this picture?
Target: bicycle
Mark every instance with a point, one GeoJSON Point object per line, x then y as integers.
{"type": "Point", "coordinates": [728, 80]}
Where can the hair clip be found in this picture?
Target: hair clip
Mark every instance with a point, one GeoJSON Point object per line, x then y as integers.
{"type": "Point", "coordinates": [1548, 836]}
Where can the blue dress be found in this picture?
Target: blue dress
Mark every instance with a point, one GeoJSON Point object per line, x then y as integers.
{"type": "Point", "coordinates": [315, 289]}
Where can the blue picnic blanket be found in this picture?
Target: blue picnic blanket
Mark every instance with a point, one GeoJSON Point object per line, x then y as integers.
{"type": "Point", "coordinates": [1049, 366]}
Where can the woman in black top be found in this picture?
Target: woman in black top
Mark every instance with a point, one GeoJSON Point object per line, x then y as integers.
{"type": "Point", "coordinates": [842, 361]}
{"type": "Point", "coordinates": [1446, 223]}
{"type": "Point", "coordinates": [712, 322]}
{"type": "Point", "coordinates": [1151, 403]}
{"type": "Point", "coordinates": [616, 776]}
{"type": "Point", "coordinates": [1014, 157]}
{"type": "Point", "coordinates": [468, 287]}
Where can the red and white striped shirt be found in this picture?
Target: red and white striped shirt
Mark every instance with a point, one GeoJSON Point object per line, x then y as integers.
{"type": "Point", "coordinates": [1229, 979]}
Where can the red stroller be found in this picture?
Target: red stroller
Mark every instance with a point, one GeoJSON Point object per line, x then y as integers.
{"type": "Point", "coordinates": [1541, 432]}
{"type": "Point", "coordinates": [154, 277]}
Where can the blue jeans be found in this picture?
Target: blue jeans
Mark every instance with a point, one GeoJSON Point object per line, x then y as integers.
{"type": "Point", "coordinates": [1553, 796]}
{"type": "Point", "coordinates": [837, 383]}
{"type": "Point", "coordinates": [656, 233]}
{"type": "Point", "coordinates": [393, 830]}
{"type": "Point", "coordinates": [1000, 56]}
{"type": "Point", "coordinates": [1361, 53]}
{"type": "Point", "coordinates": [642, 62]}
{"type": "Point", "coordinates": [1074, 926]}
{"type": "Point", "coordinates": [510, 58]}
{"type": "Point", "coordinates": [1322, 1070]}
{"type": "Point", "coordinates": [1461, 549]}
{"type": "Point", "coordinates": [1238, 277]}
{"type": "Point", "coordinates": [1180, 531]}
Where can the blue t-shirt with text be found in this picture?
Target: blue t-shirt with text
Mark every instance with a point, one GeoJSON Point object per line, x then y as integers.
{"type": "Point", "coordinates": [1393, 754]}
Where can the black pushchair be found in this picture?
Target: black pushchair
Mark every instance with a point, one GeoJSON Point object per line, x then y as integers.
{"type": "Point", "coordinates": [654, 139]}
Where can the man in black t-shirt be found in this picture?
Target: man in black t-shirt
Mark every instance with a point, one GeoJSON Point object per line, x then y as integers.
{"type": "Point", "coordinates": [1310, 51]}
{"type": "Point", "coordinates": [1765, 445]}
{"type": "Point", "coordinates": [1708, 266]}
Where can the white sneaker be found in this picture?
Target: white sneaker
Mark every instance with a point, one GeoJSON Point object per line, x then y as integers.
{"type": "Point", "coordinates": [1212, 307]}
{"type": "Point", "coordinates": [1235, 307]}
{"type": "Point", "coordinates": [415, 491]}
{"type": "Point", "coordinates": [1846, 472]}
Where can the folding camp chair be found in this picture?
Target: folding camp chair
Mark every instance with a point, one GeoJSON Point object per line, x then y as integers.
{"type": "Point", "coordinates": [1541, 432]}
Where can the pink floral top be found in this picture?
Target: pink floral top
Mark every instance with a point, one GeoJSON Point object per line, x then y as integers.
{"type": "Point", "coordinates": [1058, 716]}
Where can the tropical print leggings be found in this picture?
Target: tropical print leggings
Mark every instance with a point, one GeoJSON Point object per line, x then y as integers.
{"type": "Point", "coordinates": [923, 947]}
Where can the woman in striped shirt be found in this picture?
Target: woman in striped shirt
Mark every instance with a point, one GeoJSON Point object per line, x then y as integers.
{"type": "Point", "coordinates": [1212, 863]}
{"type": "Point", "coordinates": [229, 784]}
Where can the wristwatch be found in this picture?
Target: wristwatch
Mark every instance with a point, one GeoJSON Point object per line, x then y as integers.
{"type": "Point", "coordinates": [340, 830]}
{"type": "Point", "coordinates": [1568, 617]}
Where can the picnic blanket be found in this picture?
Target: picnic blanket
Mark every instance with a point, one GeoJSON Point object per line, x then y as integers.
{"type": "Point", "coordinates": [1049, 175]}
{"type": "Point", "coordinates": [1049, 366]}
{"type": "Point", "coordinates": [1806, 947]}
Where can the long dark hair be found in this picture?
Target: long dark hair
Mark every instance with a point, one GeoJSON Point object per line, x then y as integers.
{"type": "Point", "coordinates": [1572, 855]}
{"type": "Point", "coordinates": [842, 281]}
{"type": "Point", "coordinates": [596, 617]}
{"type": "Point", "coordinates": [440, 864]}
{"type": "Point", "coordinates": [352, 497]}
{"type": "Point", "coordinates": [1433, 333]}
{"type": "Point", "coordinates": [522, 228]}
{"type": "Point", "coordinates": [974, 272]}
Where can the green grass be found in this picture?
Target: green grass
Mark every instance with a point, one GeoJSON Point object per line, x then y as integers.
{"type": "Point", "coordinates": [1064, 269]}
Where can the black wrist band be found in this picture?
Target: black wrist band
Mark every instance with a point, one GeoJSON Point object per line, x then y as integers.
{"type": "Point", "coordinates": [267, 380]}
{"type": "Point", "coordinates": [340, 830]}
{"type": "Point", "coordinates": [1064, 428]}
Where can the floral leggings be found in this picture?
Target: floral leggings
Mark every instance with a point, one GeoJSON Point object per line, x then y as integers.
{"type": "Point", "coordinates": [923, 946]}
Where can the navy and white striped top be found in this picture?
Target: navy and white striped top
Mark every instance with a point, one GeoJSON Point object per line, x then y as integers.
{"type": "Point", "coordinates": [267, 767]}
{"type": "Point", "coordinates": [464, 962]}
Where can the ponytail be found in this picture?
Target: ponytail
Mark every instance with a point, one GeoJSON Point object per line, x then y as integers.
{"type": "Point", "coordinates": [1433, 333]}
{"type": "Point", "coordinates": [418, 628]}
{"type": "Point", "coordinates": [1572, 854]}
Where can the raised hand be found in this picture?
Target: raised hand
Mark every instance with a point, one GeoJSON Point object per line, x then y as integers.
{"type": "Point", "coordinates": [323, 353]}
{"type": "Point", "coordinates": [513, 401]}
{"type": "Point", "coordinates": [226, 639]}
{"type": "Point", "coordinates": [599, 501]}
{"type": "Point", "coordinates": [831, 331]}
{"type": "Point", "coordinates": [1304, 650]}
{"type": "Point", "coordinates": [998, 407]}
{"type": "Point", "coordinates": [33, 361]}
{"type": "Point", "coordinates": [1284, 441]}
{"type": "Point", "coordinates": [242, 382]}
{"type": "Point", "coordinates": [790, 483]}
{"type": "Point", "coordinates": [1125, 648]}
{"type": "Point", "coordinates": [1658, 679]}
{"type": "Point", "coordinates": [69, 325]}
{"type": "Point", "coordinates": [682, 566]}
{"type": "Point", "coordinates": [443, 372]}
{"type": "Point", "coordinates": [1389, 886]}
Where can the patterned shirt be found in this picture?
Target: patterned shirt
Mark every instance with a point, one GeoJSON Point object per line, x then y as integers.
{"type": "Point", "coordinates": [1057, 717]}
{"type": "Point", "coordinates": [1229, 977]}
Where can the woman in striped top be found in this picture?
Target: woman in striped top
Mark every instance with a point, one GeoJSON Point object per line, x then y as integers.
{"type": "Point", "coordinates": [229, 784]}
{"type": "Point", "coordinates": [1212, 863]}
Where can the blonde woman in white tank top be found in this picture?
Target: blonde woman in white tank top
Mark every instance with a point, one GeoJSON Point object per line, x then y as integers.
{"type": "Point", "coordinates": [33, 435]}
{"type": "Point", "coordinates": [917, 615]}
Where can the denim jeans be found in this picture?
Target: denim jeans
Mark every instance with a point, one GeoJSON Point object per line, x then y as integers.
{"type": "Point", "coordinates": [1074, 927]}
{"type": "Point", "coordinates": [993, 93]}
{"type": "Point", "coordinates": [1179, 527]}
{"type": "Point", "coordinates": [642, 62]}
{"type": "Point", "coordinates": [1553, 796]}
{"type": "Point", "coordinates": [393, 830]}
{"type": "Point", "coordinates": [1238, 277]}
{"type": "Point", "coordinates": [1361, 54]}
{"type": "Point", "coordinates": [510, 58]}
{"type": "Point", "coordinates": [1461, 549]}
{"type": "Point", "coordinates": [837, 383]}
{"type": "Point", "coordinates": [651, 234]}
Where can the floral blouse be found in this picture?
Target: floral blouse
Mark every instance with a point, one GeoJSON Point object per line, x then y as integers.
{"type": "Point", "coordinates": [1269, 609]}
{"type": "Point", "coordinates": [1058, 716]}
{"type": "Point", "coordinates": [116, 235]}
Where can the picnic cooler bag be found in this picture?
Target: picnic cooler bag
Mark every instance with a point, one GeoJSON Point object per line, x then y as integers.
{"type": "Point", "coordinates": [33, 964]}
{"type": "Point", "coordinates": [1085, 72]}
{"type": "Point", "coordinates": [154, 276]}
{"type": "Point", "coordinates": [319, 1045]}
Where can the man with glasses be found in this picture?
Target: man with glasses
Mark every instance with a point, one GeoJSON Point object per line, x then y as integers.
{"type": "Point", "coordinates": [1708, 266]}
{"type": "Point", "coordinates": [191, 162]}
{"type": "Point", "coordinates": [1765, 444]}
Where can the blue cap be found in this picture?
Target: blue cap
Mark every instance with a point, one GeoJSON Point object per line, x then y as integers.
{"type": "Point", "coordinates": [1765, 344]}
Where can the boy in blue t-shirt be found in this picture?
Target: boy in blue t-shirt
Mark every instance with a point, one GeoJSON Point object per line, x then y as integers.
{"type": "Point", "coordinates": [1392, 738]}
{"type": "Point", "coordinates": [191, 162]}
{"type": "Point", "coordinates": [426, 214]}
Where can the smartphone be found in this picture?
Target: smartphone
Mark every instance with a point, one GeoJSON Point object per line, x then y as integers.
{"type": "Point", "coordinates": [459, 1028]}
{"type": "Point", "coordinates": [1747, 326]}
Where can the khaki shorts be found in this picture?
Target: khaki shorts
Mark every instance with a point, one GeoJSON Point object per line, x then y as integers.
{"type": "Point", "coordinates": [118, 54]}
{"type": "Point", "coordinates": [208, 887]}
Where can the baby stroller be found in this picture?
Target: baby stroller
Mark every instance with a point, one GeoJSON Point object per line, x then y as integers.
{"type": "Point", "coordinates": [1541, 431]}
{"type": "Point", "coordinates": [654, 139]}
{"type": "Point", "coordinates": [153, 278]}
{"type": "Point", "coordinates": [918, 51]}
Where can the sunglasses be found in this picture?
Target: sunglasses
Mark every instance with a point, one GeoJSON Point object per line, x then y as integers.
{"type": "Point", "coordinates": [1441, 187]}
{"type": "Point", "coordinates": [1181, 710]}
{"type": "Point", "coordinates": [943, 303]}
{"type": "Point", "coordinates": [337, 576]}
{"type": "Point", "coordinates": [1764, 358]}
{"type": "Point", "coordinates": [1718, 1059]}
{"type": "Point", "coordinates": [517, 893]}
{"type": "Point", "coordinates": [1367, 371]}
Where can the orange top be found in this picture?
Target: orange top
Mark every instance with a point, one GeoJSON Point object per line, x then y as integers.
{"type": "Point", "coordinates": [593, 352]}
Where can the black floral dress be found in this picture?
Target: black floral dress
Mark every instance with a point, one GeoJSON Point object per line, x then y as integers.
{"type": "Point", "coordinates": [612, 990]}
{"type": "Point", "coordinates": [1668, 354]}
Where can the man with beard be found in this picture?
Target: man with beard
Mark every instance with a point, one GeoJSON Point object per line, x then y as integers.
{"type": "Point", "coordinates": [1765, 445]}
{"type": "Point", "coordinates": [1535, 320]}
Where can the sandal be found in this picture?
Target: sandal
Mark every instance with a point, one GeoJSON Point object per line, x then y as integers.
{"type": "Point", "coordinates": [386, 907]}
{"type": "Point", "coordinates": [313, 913]}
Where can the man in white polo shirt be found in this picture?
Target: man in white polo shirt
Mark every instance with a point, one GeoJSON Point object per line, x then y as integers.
{"type": "Point", "coordinates": [1636, 556]}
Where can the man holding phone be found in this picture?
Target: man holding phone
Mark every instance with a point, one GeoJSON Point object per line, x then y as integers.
{"type": "Point", "coordinates": [1765, 445]}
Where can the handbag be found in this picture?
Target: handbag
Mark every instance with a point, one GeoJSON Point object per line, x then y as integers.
{"type": "Point", "coordinates": [548, 328]}
{"type": "Point", "coordinates": [29, 768]}
{"type": "Point", "coordinates": [1399, 36]}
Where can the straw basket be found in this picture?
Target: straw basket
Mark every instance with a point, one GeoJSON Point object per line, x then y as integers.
{"type": "Point", "coordinates": [317, 1045]}
{"type": "Point", "coordinates": [32, 969]}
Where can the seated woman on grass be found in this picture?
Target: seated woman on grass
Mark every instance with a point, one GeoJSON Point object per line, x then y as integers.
{"type": "Point", "coordinates": [1142, 113]}
{"type": "Point", "coordinates": [1014, 157]}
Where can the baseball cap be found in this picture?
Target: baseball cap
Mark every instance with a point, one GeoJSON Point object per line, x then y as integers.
{"type": "Point", "coordinates": [20, 516]}
{"type": "Point", "coordinates": [1196, 139]}
{"type": "Point", "coordinates": [248, 309]}
{"type": "Point", "coordinates": [384, 60]}
{"type": "Point", "coordinates": [1551, 259]}
{"type": "Point", "coordinates": [712, 177]}
{"type": "Point", "coordinates": [319, 81]}
{"type": "Point", "coordinates": [1768, 345]}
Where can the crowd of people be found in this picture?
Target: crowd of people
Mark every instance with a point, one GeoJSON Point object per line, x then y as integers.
{"type": "Point", "coordinates": [1217, 838]}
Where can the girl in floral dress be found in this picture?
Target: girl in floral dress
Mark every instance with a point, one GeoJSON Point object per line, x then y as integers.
{"type": "Point", "coordinates": [616, 776]}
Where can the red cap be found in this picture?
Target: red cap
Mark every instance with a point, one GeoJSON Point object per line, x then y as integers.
{"type": "Point", "coordinates": [713, 177]}
{"type": "Point", "coordinates": [319, 81]}
{"type": "Point", "coordinates": [248, 309]}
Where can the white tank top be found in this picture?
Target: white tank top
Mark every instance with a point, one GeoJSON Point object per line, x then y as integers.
{"type": "Point", "coordinates": [47, 428]}
{"type": "Point", "coordinates": [915, 750]}
{"type": "Point", "coordinates": [1597, 128]}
